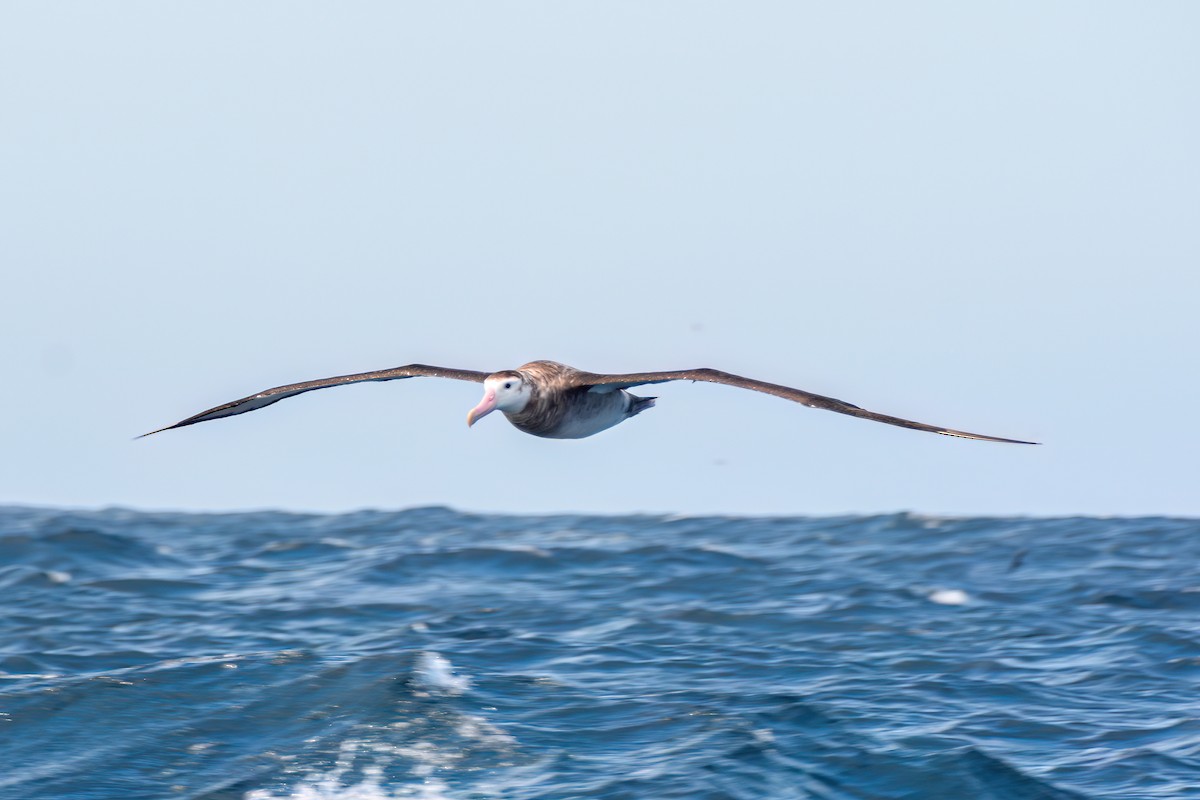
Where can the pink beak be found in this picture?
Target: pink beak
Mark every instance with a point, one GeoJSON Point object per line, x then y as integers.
{"type": "Point", "coordinates": [486, 406]}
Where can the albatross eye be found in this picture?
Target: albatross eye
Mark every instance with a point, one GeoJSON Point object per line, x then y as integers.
{"type": "Point", "coordinates": [508, 385]}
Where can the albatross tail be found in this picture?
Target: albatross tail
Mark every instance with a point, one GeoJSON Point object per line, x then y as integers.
{"type": "Point", "coordinates": [639, 404]}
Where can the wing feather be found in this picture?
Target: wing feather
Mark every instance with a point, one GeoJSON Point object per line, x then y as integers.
{"type": "Point", "coordinates": [627, 380]}
{"type": "Point", "coordinates": [269, 396]}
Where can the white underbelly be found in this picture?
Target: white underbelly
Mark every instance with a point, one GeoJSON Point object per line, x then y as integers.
{"type": "Point", "coordinates": [577, 426]}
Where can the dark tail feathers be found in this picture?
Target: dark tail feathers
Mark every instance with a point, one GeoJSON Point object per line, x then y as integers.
{"type": "Point", "coordinates": [639, 404]}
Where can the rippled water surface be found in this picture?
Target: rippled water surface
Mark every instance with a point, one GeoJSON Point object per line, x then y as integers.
{"type": "Point", "coordinates": [434, 654]}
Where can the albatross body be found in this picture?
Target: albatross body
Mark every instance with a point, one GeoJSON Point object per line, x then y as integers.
{"type": "Point", "coordinates": [552, 400]}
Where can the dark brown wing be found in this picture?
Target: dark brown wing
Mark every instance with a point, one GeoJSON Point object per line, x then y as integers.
{"type": "Point", "coordinates": [625, 381]}
{"type": "Point", "coordinates": [266, 398]}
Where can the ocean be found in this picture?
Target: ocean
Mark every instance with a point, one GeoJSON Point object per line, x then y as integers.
{"type": "Point", "coordinates": [430, 653]}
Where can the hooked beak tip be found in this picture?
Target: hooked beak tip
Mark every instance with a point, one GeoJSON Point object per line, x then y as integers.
{"type": "Point", "coordinates": [485, 407]}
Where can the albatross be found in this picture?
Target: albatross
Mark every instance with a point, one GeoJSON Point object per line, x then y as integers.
{"type": "Point", "coordinates": [552, 400]}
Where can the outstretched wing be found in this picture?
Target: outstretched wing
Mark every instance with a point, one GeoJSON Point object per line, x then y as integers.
{"type": "Point", "coordinates": [266, 398]}
{"type": "Point", "coordinates": [600, 382]}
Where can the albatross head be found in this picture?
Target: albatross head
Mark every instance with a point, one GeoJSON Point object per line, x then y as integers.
{"type": "Point", "coordinates": [505, 391]}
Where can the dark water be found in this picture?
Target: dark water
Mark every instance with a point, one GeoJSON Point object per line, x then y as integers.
{"type": "Point", "coordinates": [433, 654]}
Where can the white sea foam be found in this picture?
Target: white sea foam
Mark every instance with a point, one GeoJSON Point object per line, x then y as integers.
{"type": "Point", "coordinates": [332, 785]}
{"type": "Point", "coordinates": [365, 769]}
{"type": "Point", "coordinates": [436, 672]}
{"type": "Point", "coordinates": [329, 787]}
{"type": "Point", "coordinates": [950, 597]}
{"type": "Point", "coordinates": [361, 769]}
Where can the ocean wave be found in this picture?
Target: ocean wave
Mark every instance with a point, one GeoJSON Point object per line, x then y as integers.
{"type": "Point", "coordinates": [435, 654]}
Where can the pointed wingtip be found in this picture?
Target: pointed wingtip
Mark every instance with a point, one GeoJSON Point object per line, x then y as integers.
{"type": "Point", "coordinates": [979, 437]}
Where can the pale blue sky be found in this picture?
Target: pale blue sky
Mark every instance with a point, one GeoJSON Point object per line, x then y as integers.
{"type": "Point", "coordinates": [980, 216]}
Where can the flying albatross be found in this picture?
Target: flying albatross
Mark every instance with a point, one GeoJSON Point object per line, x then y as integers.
{"type": "Point", "coordinates": [549, 399]}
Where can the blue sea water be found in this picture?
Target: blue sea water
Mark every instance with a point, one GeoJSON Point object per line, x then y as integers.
{"type": "Point", "coordinates": [435, 654]}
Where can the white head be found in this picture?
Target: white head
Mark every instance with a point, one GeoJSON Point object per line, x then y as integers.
{"type": "Point", "coordinates": [505, 391]}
